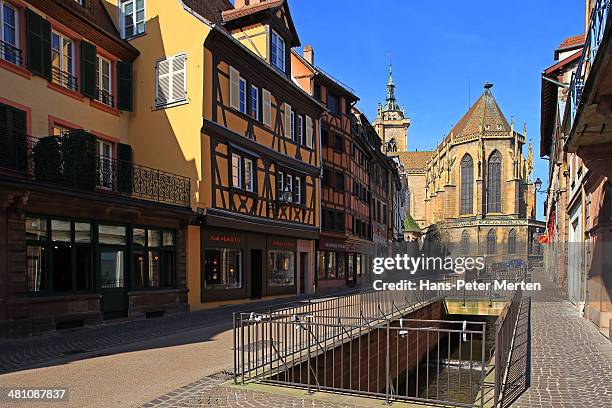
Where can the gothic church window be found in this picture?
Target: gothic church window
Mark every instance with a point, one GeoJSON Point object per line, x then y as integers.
{"type": "Point", "coordinates": [494, 171]}
{"type": "Point", "coordinates": [465, 242]}
{"type": "Point", "coordinates": [491, 242]}
{"type": "Point", "coordinates": [512, 241]}
{"type": "Point", "coordinates": [467, 184]}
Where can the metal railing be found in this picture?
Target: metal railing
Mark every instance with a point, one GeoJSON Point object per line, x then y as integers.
{"type": "Point", "coordinates": [65, 79]}
{"type": "Point", "coordinates": [257, 348]}
{"type": "Point", "coordinates": [367, 343]}
{"type": "Point", "coordinates": [105, 97]}
{"type": "Point", "coordinates": [504, 335]}
{"type": "Point", "coordinates": [595, 35]}
{"type": "Point", "coordinates": [10, 53]}
{"type": "Point", "coordinates": [67, 162]}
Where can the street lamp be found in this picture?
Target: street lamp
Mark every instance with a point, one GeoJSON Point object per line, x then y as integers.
{"type": "Point", "coordinates": [538, 185]}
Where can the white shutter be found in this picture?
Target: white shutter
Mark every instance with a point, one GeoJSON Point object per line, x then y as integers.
{"type": "Point", "coordinates": [179, 85]}
{"type": "Point", "coordinates": [267, 107]}
{"type": "Point", "coordinates": [171, 80]}
{"type": "Point", "coordinates": [308, 132]}
{"type": "Point", "coordinates": [287, 108]}
{"type": "Point", "coordinates": [162, 94]}
{"type": "Point", "coordinates": [234, 88]}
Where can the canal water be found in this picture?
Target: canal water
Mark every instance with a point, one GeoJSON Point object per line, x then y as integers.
{"type": "Point", "coordinates": [454, 371]}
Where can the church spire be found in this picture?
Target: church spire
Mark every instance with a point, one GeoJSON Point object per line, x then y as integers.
{"type": "Point", "coordinates": [391, 103]}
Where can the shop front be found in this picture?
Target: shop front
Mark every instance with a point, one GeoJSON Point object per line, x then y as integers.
{"type": "Point", "coordinates": [341, 263]}
{"type": "Point", "coordinates": [241, 265]}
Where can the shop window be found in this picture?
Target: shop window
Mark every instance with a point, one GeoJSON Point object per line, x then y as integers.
{"type": "Point", "coordinates": [153, 258]}
{"type": "Point", "coordinates": [340, 265]}
{"type": "Point", "coordinates": [223, 268]}
{"type": "Point", "coordinates": [281, 268]}
{"type": "Point", "coordinates": [59, 255]}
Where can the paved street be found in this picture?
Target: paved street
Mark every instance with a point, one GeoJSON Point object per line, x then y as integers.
{"type": "Point", "coordinates": [125, 364]}
{"type": "Point", "coordinates": [571, 362]}
{"type": "Point", "coordinates": [181, 361]}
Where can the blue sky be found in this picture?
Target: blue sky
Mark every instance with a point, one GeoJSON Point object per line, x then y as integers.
{"type": "Point", "coordinates": [438, 47]}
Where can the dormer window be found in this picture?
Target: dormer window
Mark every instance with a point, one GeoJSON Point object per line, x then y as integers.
{"type": "Point", "coordinates": [133, 18]}
{"type": "Point", "coordinates": [277, 51]}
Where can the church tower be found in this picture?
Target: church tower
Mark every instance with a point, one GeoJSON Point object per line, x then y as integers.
{"type": "Point", "coordinates": [390, 123]}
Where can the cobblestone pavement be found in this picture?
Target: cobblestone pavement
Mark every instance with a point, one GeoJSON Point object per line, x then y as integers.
{"type": "Point", "coordinates": [37, 351]}
{"type": "Point", "coordinates": [211, 392]}
{"type": "Point", "coordinates": [571, 362]}
{"type": "Point", "coordinates": [571, 365]}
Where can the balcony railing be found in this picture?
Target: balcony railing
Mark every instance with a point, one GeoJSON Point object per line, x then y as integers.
{"type": "Point", "coordinates": [70, 161]}
{"type": "Point", "coordinates": [65, 79]}
{"type": "Point", "coordinates": [595, 35]}
{"type": "Point", "coordinates": [105, 97]}
{"type": "Point", "coordinates": [10, 53]}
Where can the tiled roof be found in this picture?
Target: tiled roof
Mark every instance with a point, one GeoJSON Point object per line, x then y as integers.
{"type": "Point", "coordinates": [413, 160]}
{"type": "Point", "coordinates": [485, 112]}
{"type": "Point", "coordinates": [209, 9]}
{"type": "Point", "coordinates": [233, 14]}
{"type": "Point", "coordinates": [572, 41]}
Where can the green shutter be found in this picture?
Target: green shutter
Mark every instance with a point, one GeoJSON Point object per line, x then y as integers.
{"type": "Point", "coordinates": [125, 172]}
{"type": "Point", "coordinates": [124, 74]}
{"type": "Point", "coordinates": [88, 69]}
{"type": "Point", "coordinates": [13, 128]}
{"type": "Point", "coordinates": [38, 41]}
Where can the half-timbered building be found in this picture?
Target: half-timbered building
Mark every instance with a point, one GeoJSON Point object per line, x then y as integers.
{"type": "Point", "coordinates": [260, 139]}
{"type": "Point", "coordinates": [345, 247]}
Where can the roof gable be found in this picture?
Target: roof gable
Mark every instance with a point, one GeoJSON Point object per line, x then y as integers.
{"type": "Point", "coordinates": [275, 12]}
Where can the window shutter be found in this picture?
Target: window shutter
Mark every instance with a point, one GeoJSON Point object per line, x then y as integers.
{"type": "Point", "coordinates": [308, 131]}
{"type": "Point", "coordinates": [234, 88]}
{"type": "Point", "coordinates": [179, 85]}
{"type": "Point", "coordinates": [267, 107]}
{"type": "Point", "coordinates": [13, 128]}
{"type": "Point", "coordinates": [287, 126]}
{"type": "Point", "coordinates": [38, 42]}
{"type": "Point", "coordinates": [162, 88]}
{"type": "Point", "coordinates": [88, 69]}
{"type": "Point", "coordinates": [124, 74]}
{"type": "Point", "coordinates": [125, 173]}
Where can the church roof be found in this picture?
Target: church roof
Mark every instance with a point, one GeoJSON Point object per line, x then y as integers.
{"type": "Point", "coordinates": [484, 112]}
{"type": "Point", "coordinates": [413, 160]}
{"type": "Point", "coordinates": [410, 224]}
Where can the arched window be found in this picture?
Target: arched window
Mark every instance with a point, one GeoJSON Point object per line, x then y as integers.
{"type": "Point", "coordinates": [467, 185]}
{"type": "Point", "coordinates": [512, 241]}
{"type": "Point", "coordinates": [494, 171]}
{"type": "Point", "coordinates": [491, 242]}
{"type": "Point", "coordinates": [465, 242]}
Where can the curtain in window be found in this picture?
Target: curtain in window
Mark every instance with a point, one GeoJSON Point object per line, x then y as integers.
{"type": "Point", "coordinates": [494, 182]}
{"type": "Point", "coordinates": [467, 185]}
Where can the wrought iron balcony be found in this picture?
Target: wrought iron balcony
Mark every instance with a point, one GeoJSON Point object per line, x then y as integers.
{"type": "Point", "coordinates": [65, 79]}
{"type": "Point", "coordinates": [595, 35]}
{"type": "Point", "coordinates": [105, 97]}
{"type": "Point", "coordinates": [10, 53]}
{"type": "Point", "coordinates": [70, 161]}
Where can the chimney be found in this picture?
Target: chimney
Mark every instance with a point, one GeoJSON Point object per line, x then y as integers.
{"type": "Point", "coordinates": [242, 3]}
{"type": "Point", "coordinates": [309, 54]}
